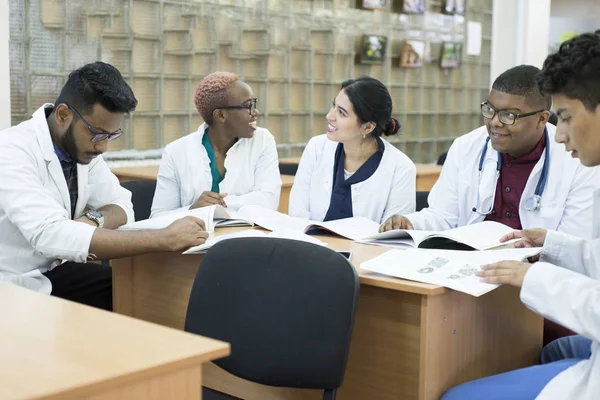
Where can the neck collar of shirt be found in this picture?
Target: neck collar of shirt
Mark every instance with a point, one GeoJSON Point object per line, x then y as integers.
{"type": "Point", "coordinates": [534, 155]}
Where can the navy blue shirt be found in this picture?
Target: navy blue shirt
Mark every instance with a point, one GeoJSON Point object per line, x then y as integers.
{"type": "Point", "coordinates": [340, 205]}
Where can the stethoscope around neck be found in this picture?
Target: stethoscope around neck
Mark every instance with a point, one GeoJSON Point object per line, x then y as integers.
{"type": "Point", "coordinates": [532, 203]}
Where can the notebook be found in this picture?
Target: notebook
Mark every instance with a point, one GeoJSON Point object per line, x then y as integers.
{"type": "Point", "coordinates": [213, 216]}
{"type": "Point", "coordinates": [480, 236]}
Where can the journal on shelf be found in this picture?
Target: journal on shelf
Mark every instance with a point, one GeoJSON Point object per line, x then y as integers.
{"type": "Point", "coordinates": [454, 269]}
{"type": "Point", "coordinates": [480, 236]}
{"type": "Point", "coordinates": [213, 216]}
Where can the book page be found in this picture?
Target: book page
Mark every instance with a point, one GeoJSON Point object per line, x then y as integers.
{"type": "Point", "coordinates": [204, 213]}
{"type": "Point", "coordinates": [481, 235]}
{"type": "Point", "coordinates": [405, 237]}
{"type": "Point", "coordinates": [453, 269]}
{"type": "Point", "coordinates": [212, 240]}
{"type": "Point", "coordinates": [284, 234]}
{"type": "Point", "coordinates": [352, 228]}
{"type": "Point", "coordinates": [272, 220]}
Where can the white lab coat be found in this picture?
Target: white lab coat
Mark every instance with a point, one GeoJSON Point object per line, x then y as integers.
{"type": "Point", "coordinates": [252, 175]}
{"type": "Point", "coordinates": [564, 287]}
{"type": "Point", "coordinates": [390, 190]}
{"type": "Point", "coordinates": [36, 228]}
{"type": "Point", "coordinates": [566, 201]}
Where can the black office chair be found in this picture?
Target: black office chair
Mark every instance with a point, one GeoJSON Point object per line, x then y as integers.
{"type": "Point", "coordinates": [286, 307]}
{"type": "Point", "coordinates": [142, 193]}
{"type": "Point", "coordinates": [288, 169]}
{"type": "Point", "coordinates": [442, 158]}
{"type": "Point", "coordinates": [422, 200]}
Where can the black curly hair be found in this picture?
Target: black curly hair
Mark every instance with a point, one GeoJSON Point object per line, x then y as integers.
{"type": "Point", "coordinates": [574, 71]}
{"type": "Point", "coordinates": [94, 83]}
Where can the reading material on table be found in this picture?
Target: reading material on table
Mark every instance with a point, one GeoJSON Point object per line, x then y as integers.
{"type": "Point", "coordinates": [480, 236]}
{"type": "Point", "coordinates": [213, 216]}
{"type": "Point", "coordinates": [352, 228]}
{"type": "Point", "coordinates": [284, 234]}
{"type": "Point", "coordinates": [454, 269]}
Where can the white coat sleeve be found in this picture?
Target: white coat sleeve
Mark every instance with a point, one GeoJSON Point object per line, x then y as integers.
{"type": "Point", "coordinates": [42, 220]}
{"type": "Point", "coordinates": [402, 198]}
{"type": "Point", "coordinates": [564, 296]}
{"type": "Point", "coordinates": [300, 194]}
{"type": "Point", "coordinates": [106, 189]}
{"type": "Point", "coordinates": [267, 181]}
{"type": "Point", "coordinates": [578, 208]}
{"type": "Point", "coordinates": [167, 197]}
{"type": "Point", "coordinates": [571, 252]}
{"type": "Point", "coordinates": [443, 210]}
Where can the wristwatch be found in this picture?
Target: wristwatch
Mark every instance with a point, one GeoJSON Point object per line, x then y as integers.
{"type": "Point", "coordinates": [95, 216]}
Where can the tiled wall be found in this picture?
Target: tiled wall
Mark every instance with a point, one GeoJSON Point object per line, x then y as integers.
{"type": "Point", "coordinates": [294, 54]}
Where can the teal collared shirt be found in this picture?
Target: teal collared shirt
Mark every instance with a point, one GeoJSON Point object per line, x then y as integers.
{"type": "Point", "coordinates": [214, 171]}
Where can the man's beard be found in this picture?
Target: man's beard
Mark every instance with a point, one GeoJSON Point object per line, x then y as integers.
{"type": "Point", "coordinates": [68, 143]}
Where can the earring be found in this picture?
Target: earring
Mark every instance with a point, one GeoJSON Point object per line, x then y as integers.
{"type": "Point", "coordinates": [364, 136]}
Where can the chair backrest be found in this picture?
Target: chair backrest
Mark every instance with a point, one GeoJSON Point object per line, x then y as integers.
{"type": "Point", "coordinates": [442, 158]}
{"type": "Point", "coordinates": [422, 200]}
{"type": "Point", "coordinates": [288, 169]}
{"type": "Point", "coordinates": [286, 307]}
{"type": "Point", "coordinates": [142, 194]}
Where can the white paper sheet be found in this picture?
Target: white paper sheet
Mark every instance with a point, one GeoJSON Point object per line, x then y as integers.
{"type": "Point", "coordinates": [450, 268]}
{"type": "Point", "coordinates": [284, 234]}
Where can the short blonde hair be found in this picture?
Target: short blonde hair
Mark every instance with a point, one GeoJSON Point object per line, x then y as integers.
{"type": "Point", "coordinates": [211, 93]}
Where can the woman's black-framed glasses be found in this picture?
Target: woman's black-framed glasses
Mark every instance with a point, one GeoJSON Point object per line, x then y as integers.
{"type": "Point", "coordinates": [251, 106]}
{"type": "Point", "coordinates": [506, 117]}
{"type": "Point", "coordinates": [98, 135]}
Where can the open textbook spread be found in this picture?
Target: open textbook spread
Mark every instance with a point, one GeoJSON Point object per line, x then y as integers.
{"type": "Point", "coordinates": [352, 228]}
{"type": "Point", "coordinates": [480, 236]}
{"type": "Point", "coordinates": [213, 216]}
{"type": "Point", "coordinates": [450, 268]}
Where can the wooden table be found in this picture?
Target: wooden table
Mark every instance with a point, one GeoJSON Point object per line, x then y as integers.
{"type": "Point", "coordinates": [411, 340]}
{"type": "Point", "coordinates": [51, 348]}
{"type": "Point", "coordinates": [427, 175]}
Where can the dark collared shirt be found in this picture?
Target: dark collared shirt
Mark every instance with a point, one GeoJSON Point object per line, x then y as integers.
{"type": "Point", "coordinates": [514, 173]}
{"type": "Point", "coordinates": [69, 168]}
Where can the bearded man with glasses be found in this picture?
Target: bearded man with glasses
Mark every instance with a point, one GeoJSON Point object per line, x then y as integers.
{"type": "Point", "coordinates": [59, 202]}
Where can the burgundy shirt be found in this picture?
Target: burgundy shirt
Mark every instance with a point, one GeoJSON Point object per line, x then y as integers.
{"type": "Point", "coordinates": [514, 173]}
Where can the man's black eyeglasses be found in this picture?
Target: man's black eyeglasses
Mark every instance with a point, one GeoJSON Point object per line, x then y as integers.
{"type": "Point", "coordinates": [251, 107]}
{"type": "Point", "coordinates": [98, 135]}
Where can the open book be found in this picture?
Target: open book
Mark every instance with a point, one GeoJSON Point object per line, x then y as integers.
{"type": "Point", "coordinates": [351, 228]}
{"type": "Point", "coordinates": [213, 216]}
{"type": "Point", "coordinates": [450, 268]}
{"type": "Point", "coordinates": [211, 241]}
{"type": "Point", "coordinates": [480, 236]}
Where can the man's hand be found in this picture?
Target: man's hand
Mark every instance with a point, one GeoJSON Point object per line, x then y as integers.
{"type": "Point", "coordinates": [208, 199]}
{"type": "Point", "coordinates": [184, 233]}
{"type": "Point", "coordinates": [529, 238]}
{"type": "Point", "coordinates": [396, 222]}
{"type": "Point", "coordinates": [504, 273]}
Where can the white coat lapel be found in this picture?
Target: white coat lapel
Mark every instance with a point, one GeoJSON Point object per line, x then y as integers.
{"type": "Point", "coordinates": [54, 168]}
{"type": "Point", "coordinates": [83, 193]}
{"type": "Point", "coordinates": [486, 183]}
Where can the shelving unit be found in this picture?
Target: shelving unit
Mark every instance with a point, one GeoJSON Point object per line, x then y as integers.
{"type": "Point", "coordinates": [294, 54]}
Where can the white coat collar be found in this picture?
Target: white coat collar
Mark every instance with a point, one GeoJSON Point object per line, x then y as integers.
{"type": "Point", "coordinates": [42, 132]}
